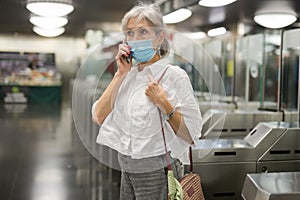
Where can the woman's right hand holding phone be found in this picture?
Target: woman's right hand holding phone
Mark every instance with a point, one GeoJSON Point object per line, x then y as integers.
{"type": "Point", "coordinates": [123, 58]}
{"type": "Point", "coordinates": [105, 103]}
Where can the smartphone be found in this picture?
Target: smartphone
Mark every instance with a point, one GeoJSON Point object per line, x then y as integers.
{"type": "Point", "coordinates": [127, 59]}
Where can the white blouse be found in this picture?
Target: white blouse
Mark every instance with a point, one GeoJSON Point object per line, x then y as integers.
{"type": "Point", "coordinates": [133, 127]}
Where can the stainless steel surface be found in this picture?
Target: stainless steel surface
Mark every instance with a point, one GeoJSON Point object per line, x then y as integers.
{"type": "Point", "coordinates": [237, 123]}
{"type": "Point", "coordinates": [286, 148]}
{"type": "Point", "coordinates": [224, 163]}
{"type": "Point", "coordinates": [272, 186]}
{"type": "Point", "coordinates": [222, 144]}
{"type": "Point", "coordinates": [262, 130]}
{"type": "Point", "coordinates": [291, 116]}
{"type": "Point", "coordinates": [251, 148]}
{"type": "Point", "coordinates": [277, 166]}
{"type": "Point", "coordinates": [223, 180]}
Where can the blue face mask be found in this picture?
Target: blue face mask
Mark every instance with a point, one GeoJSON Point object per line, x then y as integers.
{"type": "Point", "coordinates": [141, 50]}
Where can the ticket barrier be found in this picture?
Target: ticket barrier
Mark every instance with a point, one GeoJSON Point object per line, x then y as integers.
{"type": "Point", "coordinates": [272, 186]}
{"type": "Point", "coordinates": [238, 123]}
{"type": "Point", "coordinates": [224, 163]}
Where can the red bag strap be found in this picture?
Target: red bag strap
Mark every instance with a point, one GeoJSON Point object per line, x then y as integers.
{"type": "Point", "coordinates": [161, 124]}
{"type": "Point", "coordinates": [162, 75]}
{"type": "Point", "coordinates": [165, 144]}
{"type": "Point", "coordinates": [191, 159]}
{"type": "Point", "coordinates": [164, 137]}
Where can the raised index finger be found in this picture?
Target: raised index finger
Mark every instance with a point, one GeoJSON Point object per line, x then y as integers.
{"type": "Point", "coordinates": [151, 78]}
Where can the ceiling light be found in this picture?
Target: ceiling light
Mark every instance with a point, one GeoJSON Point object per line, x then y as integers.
{"type": "Point", "coordinates": [195, 35]}
{"type": "Point", "coordinates": [47, 8]}
{"type": "Point", "coordinates": [48, 22]}
{"type": "Point", "coordinates": [216, 32]}
{"type": "Point", "coordinates": [275, 20]}
{"type": "Point", "coordinates": [215, 3]}
{"type": "Point", "coordinates": [48, 32]}
{"type": "Point", "coordinates": [177, 16]}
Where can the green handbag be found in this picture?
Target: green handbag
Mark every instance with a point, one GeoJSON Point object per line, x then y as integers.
{"type": "Point", "coordinates": [174, 187]}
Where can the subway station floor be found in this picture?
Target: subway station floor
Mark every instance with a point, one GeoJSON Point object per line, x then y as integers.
{"type": "Point", "coordinates": [37, 160]}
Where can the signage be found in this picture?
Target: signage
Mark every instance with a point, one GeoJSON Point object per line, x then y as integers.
{"type": "Point", "coordinates": [14, 94]}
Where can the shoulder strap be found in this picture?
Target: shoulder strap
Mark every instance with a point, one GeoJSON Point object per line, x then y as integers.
{"type": "Point", "coordinates": [165, 144]}
{"type": "Point", "coordinates": [162, 75]}
{"type": "Point", "coordinates": [191, 159]}
{"type": "Point", "coordinates": [164, 137]}
{"type": "Point", "coordinates": [161, 124]}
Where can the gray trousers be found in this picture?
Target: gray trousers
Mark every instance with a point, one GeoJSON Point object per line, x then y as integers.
{"type": "Point", "coordinates": [146, 179]}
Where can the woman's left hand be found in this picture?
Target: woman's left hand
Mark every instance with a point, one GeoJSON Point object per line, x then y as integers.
{"type": "Point", "coordinates": [156, 93]}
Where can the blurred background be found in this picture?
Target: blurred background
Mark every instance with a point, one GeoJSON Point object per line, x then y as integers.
{"type": "Point", "coordinates": [242, 58]}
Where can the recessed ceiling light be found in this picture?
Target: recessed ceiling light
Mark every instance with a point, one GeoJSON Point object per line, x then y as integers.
{"type": "Point", "coordinates": [275, 20]}
{"type": "Point", "coordinates": [195, 35]}
{"type": "Point", "coordinates": [216, 32]}
{"type": "Point", "coordinates": [177, 16]}
{"type": "Point", "coordinates": [48, 32]}
{"type": "Point", "coordinates": [215, 3]}
{"type": "Point", "coordinates": [48, 22]}
{"type": "Point", "coordinates": [50, 8]}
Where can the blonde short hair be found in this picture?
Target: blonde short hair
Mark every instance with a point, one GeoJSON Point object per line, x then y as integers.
{"type": "Point", "coordinates": [152, 13]}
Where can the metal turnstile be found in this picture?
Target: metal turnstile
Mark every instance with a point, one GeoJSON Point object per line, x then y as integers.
{"type": "Point", "coordinates": [238, 123]}
{"type": "Point", "coordinates": [223, 164]}
{"type": "Point", "coordinates": [272, 186]}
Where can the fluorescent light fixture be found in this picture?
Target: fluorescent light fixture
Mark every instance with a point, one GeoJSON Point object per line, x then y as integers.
{"type": "Point", "coordinates": [48, 22]}
{"type": "Point", "coordinates": [275, 20]}
{"type": "Point", "coordinates": [50, 8]}
{"type": "Point", "coordinates": [48, 32]}
{"type": "Point", "coordinates": [177, 16]}
{"type": "Point", "coordinates": [216, 32]}
{"type": "Point", "coordinates": [215, 3]}
{"type": "Point", "coordinates": [195, 35]}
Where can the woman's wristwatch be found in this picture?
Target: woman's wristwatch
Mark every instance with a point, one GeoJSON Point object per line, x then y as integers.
{"type": "Point", "coordinates": [168, 116]}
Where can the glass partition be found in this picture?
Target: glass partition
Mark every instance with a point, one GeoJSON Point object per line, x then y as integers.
{"type": "Point", "coordinates": [290, 69]}
{"type": "Point", "coordinates": [214, 50]}
{"type": "Point", "coordinates": [248, 69]}
{"type": "Point", "coordinates": [205, 69]}
{"type": "Point", "coordinates": [227, 66]}
{"type": "Point", "coordinates": [188, 53]}
{"type": "Point", "coordinates": [222, 53]}
{"type": "Point", "coordinates": [271, 69]}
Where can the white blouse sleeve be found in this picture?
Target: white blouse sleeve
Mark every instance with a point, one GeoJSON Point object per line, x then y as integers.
{"type": "Point", "coordinates": [93, 109]}
{"type": "Point", "coordinates": [188, 106]}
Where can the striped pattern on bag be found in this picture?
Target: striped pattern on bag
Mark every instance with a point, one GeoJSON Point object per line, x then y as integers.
{"type": "Point", "coordinates": [191, 187]}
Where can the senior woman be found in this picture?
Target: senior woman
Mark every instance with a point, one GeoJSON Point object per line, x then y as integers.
{"type": "Point", "coordinates": [129, 109]}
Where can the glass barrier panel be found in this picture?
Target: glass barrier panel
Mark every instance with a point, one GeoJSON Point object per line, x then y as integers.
{"type": "Point", "coordinates": [290, 72]}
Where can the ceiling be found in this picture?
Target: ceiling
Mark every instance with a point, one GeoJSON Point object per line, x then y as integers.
{"type": "Point", "coordinates": [102, 14]}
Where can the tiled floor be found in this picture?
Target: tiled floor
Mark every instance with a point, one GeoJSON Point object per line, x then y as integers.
{"type": "Point", "coordinates": [37, 159]}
